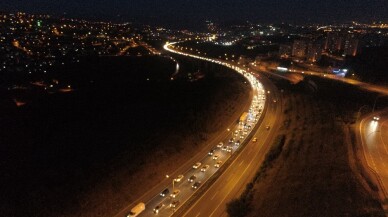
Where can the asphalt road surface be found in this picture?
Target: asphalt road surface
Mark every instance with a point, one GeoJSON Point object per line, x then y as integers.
{"type": "Point", "coordinates": [232, 181]}
{"type": "Point", "coordinates": [374, 136]}
{"type": "Point", "coordinates": [242, 170]}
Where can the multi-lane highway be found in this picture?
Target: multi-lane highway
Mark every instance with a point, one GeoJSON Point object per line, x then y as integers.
{"type": "Point", "coordinates": [233, 178]}
{"type": "Point", "coordinates": [373, 130]}
{"type": "Point", "coordinates": [242, 170]}
{"type": "Point", "coordinates": [363, 85]}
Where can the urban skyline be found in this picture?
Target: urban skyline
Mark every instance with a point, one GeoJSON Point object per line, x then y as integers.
{"type": "Point", "coordinates": [190, 13]}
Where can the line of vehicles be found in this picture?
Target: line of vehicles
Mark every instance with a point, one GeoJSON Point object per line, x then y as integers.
{"type": "Point", "coordinates": [170, 198]}
{"type": "Point", "coordinates": [201, 171]}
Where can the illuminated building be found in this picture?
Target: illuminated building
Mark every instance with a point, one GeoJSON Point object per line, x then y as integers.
{"type": "Point", "coordinates": [285, 50]}
{"type": "Point", "coordinates": [314, 51]}
{"type": "Point", "coordinates": [299, 49]}
{"type": "Point", "coordinates": [351, 45]}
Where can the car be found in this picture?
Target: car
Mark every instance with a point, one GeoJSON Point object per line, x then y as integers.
{"type": "Point", "coordinates": [242, 137]}
{"type": "Point", "coordinates": [211, 152]}
{"type": "Point", "coordinates": [164, 192]}
{"type": "Point", "coordinates": [158, 208]}
{"type": "Point", "coordinates": [254, 139]}
{"type": "Point", "coordinates": [197, 165]}
{"type": "Point", "coordinates": [229, 149]}
{"type": "Point", "coordinates": [196, 185]}
{"type": "Point", "coordinates": [224, 148]}
{"type": "Point", "coordinates": [218, 164]}
{"type": "Point", "coordinates": [179, 178]}
{"type": "Point", "coordinates": [175, 193]}
{"type": "Point", "coordinates": [237, 142]}
{"type": "Point", "coordinates": [215, 157]}
{"type": "Point", "coordinates": [231, 140]}
{"type": "Point", "coordinates": [204, 168]}
{"type": "Point", "coordinates": [192, 178]}
{"type": "Point", "coordinates": [376, 118]}
{"type": "Point", "coordinates": [219, 145]}
{"type": "Point", "coordinates": [174, 203]}
{"type": "Point", "coordinates": [267, 127]}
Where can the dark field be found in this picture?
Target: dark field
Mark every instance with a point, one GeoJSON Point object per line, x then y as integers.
{"type": "Point", "coordinates": [309, 173]}
{"type": "Point", "coordinates": [77, 153]}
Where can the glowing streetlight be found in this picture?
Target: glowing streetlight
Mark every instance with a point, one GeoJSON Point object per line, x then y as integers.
{"type": "Point", "coordinates": [173, 183]}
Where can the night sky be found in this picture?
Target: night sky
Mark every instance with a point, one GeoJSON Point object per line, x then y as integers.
{"type": "Point", "coordinates": [190, 12]}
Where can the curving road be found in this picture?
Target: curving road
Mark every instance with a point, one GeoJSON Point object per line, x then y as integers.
{"type": "Point", "coordinates": [241, 170]}
{"type": "Point", "coordinates": [374, 140]}
{"type": "Point", "coordinates": [233, 181]}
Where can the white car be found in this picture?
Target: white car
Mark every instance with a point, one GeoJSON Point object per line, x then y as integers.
{"type": "Point", "coordinates": [204, 168]}
{"type": "Point", "coordinates": [179, 178]}
{"type": "Point", "coordinates": [218, 164]}
{"type": "Point", "coordinates": [215, 157]}
{"type": "Point", "coordinates": [197, 165]}
{"type": "Point", "coordinates": [220, 145]}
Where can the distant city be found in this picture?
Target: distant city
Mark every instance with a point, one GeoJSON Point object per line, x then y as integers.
{"type": "Point", "coordinates": [248, 116]}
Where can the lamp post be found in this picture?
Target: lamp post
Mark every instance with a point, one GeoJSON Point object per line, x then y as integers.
{"type": "Point", "coordinates": [359, 112]}
{"type": "Point", "coordinates": [173, 182]}
{"type": "Point", "coordinates": [374, 104]}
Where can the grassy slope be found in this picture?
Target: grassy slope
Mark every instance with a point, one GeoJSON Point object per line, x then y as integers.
{"type": "Point", "coordinates": [312, 177]}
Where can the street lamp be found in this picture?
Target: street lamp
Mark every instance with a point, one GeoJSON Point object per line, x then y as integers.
{"type": "Point", "coordinates": [173, 182]}
{"type": "Point", "coordinates": [374, 104]}
{"type": "Point", "coordinates": [359, 112]}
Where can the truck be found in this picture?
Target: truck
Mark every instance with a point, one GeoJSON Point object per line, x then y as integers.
{"type": "Point", "coordinates": [243, 117]}
{"type": "Point", "coordinates": [135, 211]}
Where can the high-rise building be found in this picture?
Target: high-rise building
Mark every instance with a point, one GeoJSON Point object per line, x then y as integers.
{"type": "Point", "coordinates": [314, 51]}
{"type": "Point", "coordinates": [299, 49]}
{"type": "Point", "coordinates": [285, 50]}
{"type": "Point", "coordinates": [333, 42]}
{"type": "Point", "coordinates": [351, 45]}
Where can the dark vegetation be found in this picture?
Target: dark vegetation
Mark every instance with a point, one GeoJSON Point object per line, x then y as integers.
{"type": "Point", "coordinates": [241, 206]}
{"type": "Point", "coordinates": [371, 65]}
{"type": "Point", "coordinates": [310, 174]}
{"type": "Point", "coordinates": [76, 154]}
{"type": "Point", "coordinates": [216, 51]}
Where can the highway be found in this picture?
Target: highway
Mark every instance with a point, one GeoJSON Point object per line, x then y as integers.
{"type": "Point", "coordinates": [363, 85]}
{"type": "Point", "coordinates": [374, 141]}
{"type": "Point", "coordinates": [232, 182]}
{"type": "Point", "coordinates": [231, 142]}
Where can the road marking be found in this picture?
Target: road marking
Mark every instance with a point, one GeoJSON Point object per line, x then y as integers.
{"type": "Point", "coordinates": [228, 194]}
{"type": "Point", "coordinates": [241, 163]}
{"type": "Point", "coordinates": [214, 196]}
